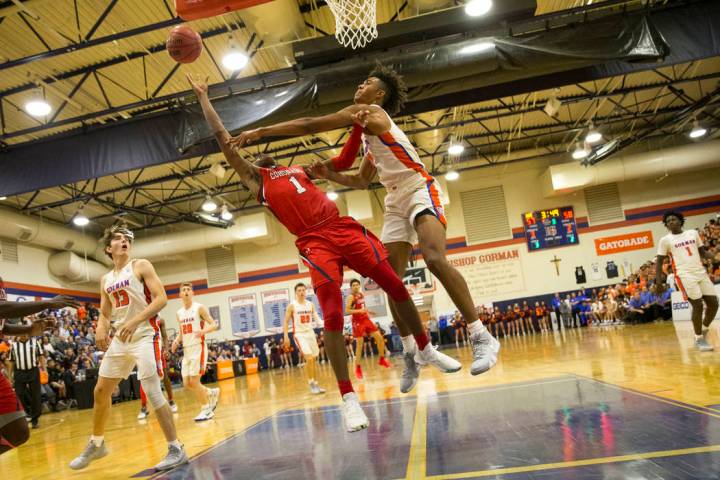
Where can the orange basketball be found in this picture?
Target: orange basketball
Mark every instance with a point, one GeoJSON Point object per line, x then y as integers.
{"type": "Point", "coordinates": [184, 44]}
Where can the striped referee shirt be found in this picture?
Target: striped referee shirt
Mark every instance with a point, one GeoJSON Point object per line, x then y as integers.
{"type": "Point", "coordinates": [26, 354]}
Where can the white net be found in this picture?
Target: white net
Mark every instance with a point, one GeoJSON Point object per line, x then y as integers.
{"type": "Point", "coordinates": [355, 22]}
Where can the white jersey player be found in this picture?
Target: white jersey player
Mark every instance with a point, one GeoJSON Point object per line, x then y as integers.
{"type": "Point", "coordinates": [194, 322]}
{"type": "Point", "coordinates": [686, 251]}
{"type": "Point", "coordinates": [131, 296]}
{"type": "Point", "coordinates": [303, 316]}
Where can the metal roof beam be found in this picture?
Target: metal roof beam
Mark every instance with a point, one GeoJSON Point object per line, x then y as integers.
{"type": "Point", "coordinates": [101, 19]}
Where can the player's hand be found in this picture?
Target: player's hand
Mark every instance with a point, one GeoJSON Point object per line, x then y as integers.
{"type": "Point", "coordinates": [245, 138]}
{"type": "Point", "coordinates": [174, 347]}
{"type": "Point", "coordinates": [318, 169]}
{"type": "Point", "coordinates": [199, 334]}
{"type": "Point", "coordinates": [126, 332]}
{"type": "Point", "coordinates": [40, 325]}
{"type": "Point", "coordinates": [286, 343]}
{"type": "Point", "coordinates": [62, 301]}
{"type": "Point", "coordinates": [102, 340]}
{"type": "Point", "coordinates": [361, 117]}
{"type": "Point", "coordinates": [198, 83]}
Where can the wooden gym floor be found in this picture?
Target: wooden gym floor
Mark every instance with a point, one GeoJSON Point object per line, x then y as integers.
{"type": "Point", "coordinates": [607, 403]}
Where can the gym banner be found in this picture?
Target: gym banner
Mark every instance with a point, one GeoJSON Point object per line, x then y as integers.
{"type": "Point", "coordinates": [624, 243]}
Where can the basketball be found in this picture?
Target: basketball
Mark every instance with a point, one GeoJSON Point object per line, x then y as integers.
{"type": "Point", "coordinates": [184, 44]}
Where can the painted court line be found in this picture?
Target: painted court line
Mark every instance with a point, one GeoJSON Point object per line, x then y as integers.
{"type": "Point", "coordinates": [417, 459]}
{"type": "Point", "coordinates": [577, 463]}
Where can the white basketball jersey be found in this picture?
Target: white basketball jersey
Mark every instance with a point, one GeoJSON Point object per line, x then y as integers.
{"type": "Point", "coordinates": [394, 156]}
{"type": "Point", "coordinates": [129, 296]}
{"type": "Point", "coordinates": [302, 317]}
{"type": "Point", "coordinates": [190, 323]}
{"type": "Point", "coordinates": [683, 252]}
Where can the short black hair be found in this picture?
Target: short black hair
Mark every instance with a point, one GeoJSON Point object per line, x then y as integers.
{"type": "Point", "coordinates": [301, 284]}
{"type": "Point", "coordinates": [393, 86]}
{"type": "Point", "coordinates": [354, 281]}
{"type": "Point", "coordinates": [673, 213]}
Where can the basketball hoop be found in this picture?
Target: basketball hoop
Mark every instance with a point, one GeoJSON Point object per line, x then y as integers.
{"type": "Point", "coordinates": [355, 22]}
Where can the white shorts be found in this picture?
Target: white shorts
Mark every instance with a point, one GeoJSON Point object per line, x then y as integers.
{"type": "Point", "coordinates": [404, 202]}
{"type": "Point", "coordinates": [695, 286]}
{"type": "Point", "coordinates": [307, 344]}
{"type": "Point", "coordinates": [194, 360]}
{"type": "Point", "coordinates": [121, 358]}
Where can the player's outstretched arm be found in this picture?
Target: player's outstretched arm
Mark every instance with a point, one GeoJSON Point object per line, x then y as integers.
{"type": "Point", "coordinates": [249, 173]}
{"type": "Point", "coordinates": [360, 180]}
{"type": "Point", "coordinates": [21, 309]}
{"type": "Point", "coordinates": [37, 327]}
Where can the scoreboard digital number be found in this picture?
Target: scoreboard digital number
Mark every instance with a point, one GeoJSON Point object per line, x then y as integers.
{"type": "Point", "coordinates": [550, 228]}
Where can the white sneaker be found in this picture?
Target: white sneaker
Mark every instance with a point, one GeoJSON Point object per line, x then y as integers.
{"type": "Point", "coordinates": [205, 414]}
{"type": "Point", "coordinates": [316, 389]}
{"type": "Point", "coordinates": [173, 407]}
{"type": "Point", "coordinates": [485, 349]}
{"type": "Point", "coordinates": [214, 396]}
{"type": "Point", "coordinates": [430, 356]}
{"type": "Point", "coordinates": [355, 418]}
{"type": "Point", "coordinates": [143, 414]}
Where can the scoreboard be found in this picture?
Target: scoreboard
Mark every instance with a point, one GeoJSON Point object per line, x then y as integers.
{"type": "Point", "coordinates": [550, 228]}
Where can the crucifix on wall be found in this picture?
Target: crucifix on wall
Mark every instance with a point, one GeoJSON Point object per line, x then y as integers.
{"type": "Point", "coordinates": [556, 261]}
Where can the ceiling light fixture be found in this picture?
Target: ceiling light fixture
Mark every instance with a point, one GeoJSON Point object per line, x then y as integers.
{"type": "Point", "coordinates": [477, 8]}
{"type": "Point", "coordinates": [38, 108]}
{"type": "Point", "coordinates": [593, 136]}
{"type": "Point", "coordinates": [332, 195]}
{"type": "Point", "coordinates": [697, 131]}
{"type": "Point", "coordinates": [209, 205]}
{"type": "Point", "coordinates": [456, 149]}
{"type": "Point", "coordinates": [477, 48]}
{"type": "Point", "coordinates": [580, 152]}
{"type": "Point", "coordinates": [452, 175]}
{"type": "Point", "coordinates": [80, 220]}
{"type": "Point", "coordinates": [225, 214]}
{"type": "Point", "coordinates": [3, 198]}
{"type": "Point", "coordinates": [235, 60]}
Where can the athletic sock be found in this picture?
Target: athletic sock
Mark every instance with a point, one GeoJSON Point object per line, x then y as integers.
{"type": "Point", "coordinates": [698, 337]}
{"type": "Point", "coordinates": [476, 327]}
{"type": "Point", "coordinates": [408, 344]}
{"type": "Point", "coordinates": [97, 439]}
{"type": "Point", "coordinates": [175, 443]}
{"type": "Point", "coordinates": [345, 386]}
{"type": "Point", "coordinates": [422, 340]}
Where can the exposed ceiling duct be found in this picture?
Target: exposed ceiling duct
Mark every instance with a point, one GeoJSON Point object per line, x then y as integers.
{"type": "Point", "coordinates": [569, 177]}
{"type": "Point", "coordinates": [258, 228]}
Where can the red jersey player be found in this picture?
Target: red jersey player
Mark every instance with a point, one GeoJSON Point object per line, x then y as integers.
{"type": "Point", "coordinates": [13, 426]}
{"type": "Point", "coordinates": [362, 326]}
{"type": "Point", "coordinates": [326, 242]}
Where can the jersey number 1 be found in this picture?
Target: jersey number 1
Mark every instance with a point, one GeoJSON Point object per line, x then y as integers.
{"type": "Point", "coordinates": [121, 298]}
{"type": "Point", "coordinates": [300, 188]}
{"type": "Point", "coordinates": [689, 251]}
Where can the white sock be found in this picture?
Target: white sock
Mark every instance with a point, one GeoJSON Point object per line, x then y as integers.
{"type": "Point", "coordinates": [175, 443]}
{"type": "Point", "coordinates": [476, 327]}
{"type": "Point", "coordinates": [97, 439]}
{"type": "Point", "coordinates": [409, 344]}
{"type": "Point", "coordinates": [698, 337]}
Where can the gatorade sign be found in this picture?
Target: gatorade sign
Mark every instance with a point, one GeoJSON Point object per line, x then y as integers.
{"type": "Point", "coordinates": [624, 243]}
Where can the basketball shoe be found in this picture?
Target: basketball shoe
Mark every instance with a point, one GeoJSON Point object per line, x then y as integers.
{"type": "Point", "coordinates": [355, 418]}
{"type": "Point", "coordinates": [485, 349]}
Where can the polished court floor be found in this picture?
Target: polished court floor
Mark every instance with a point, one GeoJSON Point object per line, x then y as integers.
{"type": "Point", "coordinates": [615, 403]}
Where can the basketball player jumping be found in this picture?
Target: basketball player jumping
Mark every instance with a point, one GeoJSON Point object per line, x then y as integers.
{"type": "Point", "coordinates": [326, 242]}
{"type": "Point", "coordinates": [13, 426]}
{"type": "Point", "coordinates": [686, 250]}
{"type": "Point", "coordinates": [195, 322]}
{"type": "Point", "coordinates": [303, 316]}
{"type": "Point", "coordinates": [131, 296]}
{"type": "Point", "coordinates": [362, 325]}
{"type": "Point", "coordinates": [413, 210]}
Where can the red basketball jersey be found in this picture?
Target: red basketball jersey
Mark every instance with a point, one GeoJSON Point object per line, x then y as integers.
{"type": "Point", "coordinates": [296, 202]}
{"type": "Point", "coordinates": [359, 304]}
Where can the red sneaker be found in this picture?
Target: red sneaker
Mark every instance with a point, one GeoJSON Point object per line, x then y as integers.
{"type": "Point", "coordinates": [358, 372]}
{"type": "Point", "coordinates": [384, 363]}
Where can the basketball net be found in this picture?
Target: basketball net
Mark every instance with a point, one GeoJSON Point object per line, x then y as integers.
{"type": "Point", "coordinates": [355, 22]}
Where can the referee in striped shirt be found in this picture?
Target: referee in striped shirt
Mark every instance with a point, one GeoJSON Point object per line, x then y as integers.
{"type": "Point", "coordinates": [27, 357]}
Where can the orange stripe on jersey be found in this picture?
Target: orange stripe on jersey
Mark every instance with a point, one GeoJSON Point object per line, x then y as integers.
{"type": "Point", "coordinates": [402, 155]}
{"type": "Point", "coordinates": [677, 277]}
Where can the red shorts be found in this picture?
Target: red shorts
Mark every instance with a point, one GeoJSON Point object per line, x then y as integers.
{"type": "Point", "coordinates": [342, 242]}
{"type": "Point", "coordinates": [363, 327]}
{"type": "Point", "coordinates": [9, 403]}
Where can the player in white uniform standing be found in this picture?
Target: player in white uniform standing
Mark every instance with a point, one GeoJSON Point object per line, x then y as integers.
{"type": "Point", "coordinates": [413, 210]}
{"type": "Point", "coordinates": [686, 251]}
{"type": "Point", "coordinates": [194, 322]}
{"type": "Point", "coordinates": [304, 317]}
{"type": "Point", "coordinates": [131, 296]}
